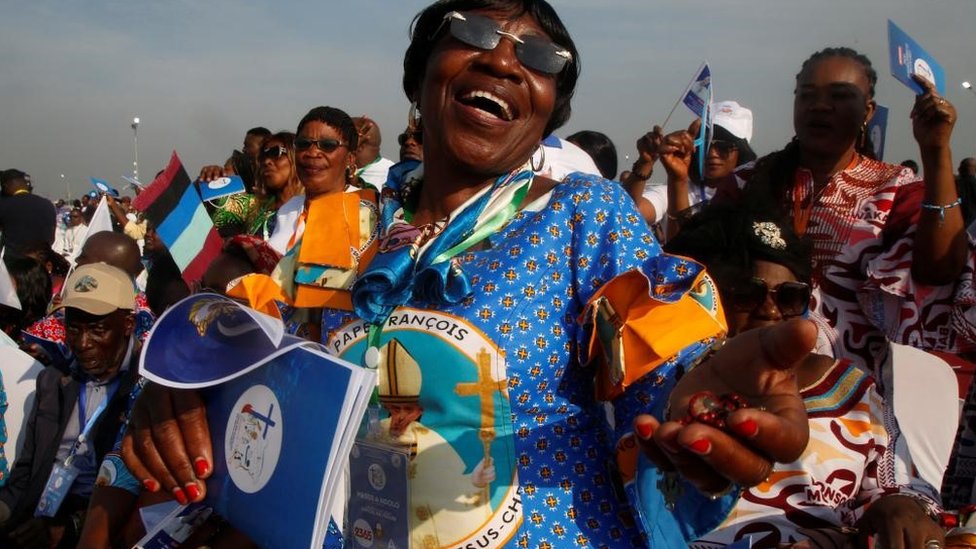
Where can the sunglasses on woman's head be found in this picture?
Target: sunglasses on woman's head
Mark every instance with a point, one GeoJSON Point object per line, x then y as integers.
{"type": "Point", "coordinates": [324, 145]}
{"type": "Point", "coordinates": [791, 298]}
{"type": "Point", "coordinates": [273, 152]}
{"type": "Point", "coordinates": [416, 136]}
{"type": "Point", "coordinates": [535, 52]}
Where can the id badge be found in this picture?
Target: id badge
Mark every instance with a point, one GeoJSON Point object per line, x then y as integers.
{"type": "Point", "coordinates": [379, 502]}
{"type": "Point", "coordinates": [63, 475]}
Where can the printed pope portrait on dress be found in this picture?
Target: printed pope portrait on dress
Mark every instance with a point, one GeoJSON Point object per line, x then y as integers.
{"type": "Point", "coordinates": [444, 396]}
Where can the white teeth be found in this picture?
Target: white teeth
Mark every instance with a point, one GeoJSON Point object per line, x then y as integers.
{"type": "Point", "coordinates": [506, 110]}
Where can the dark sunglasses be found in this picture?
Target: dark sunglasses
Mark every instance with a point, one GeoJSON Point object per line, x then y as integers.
{"type": "Point", "coordinates": [273, 153]}
{"type": "Point", "coordinates": [535, 52]}
{"type": "Point", "coordinates": [416, 136]}
{"type": "Point", "coordinates": [791, 298]}
{"type": "Point", "coordinates": [324, 145]}
{"type": "Point", "coordinates": [723, 148]}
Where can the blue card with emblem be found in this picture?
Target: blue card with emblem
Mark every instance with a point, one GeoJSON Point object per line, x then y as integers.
{"type": "Point", "coordinates": [908, 58]}
{"type": "Point", "coordinates": [221, 187]}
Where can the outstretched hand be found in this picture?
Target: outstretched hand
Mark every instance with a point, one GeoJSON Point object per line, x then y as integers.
{"type": "Point", "coordinates": [167, 445]}
{"type": "Point", "coordinates": [757, 365]}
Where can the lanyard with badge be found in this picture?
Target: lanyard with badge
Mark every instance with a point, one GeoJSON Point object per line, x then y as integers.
{"type": "Point", "coordinates": [64, 473]}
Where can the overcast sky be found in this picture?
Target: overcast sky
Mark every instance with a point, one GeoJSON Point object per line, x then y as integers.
{"type": "Point", "coordinates": [73, 74]}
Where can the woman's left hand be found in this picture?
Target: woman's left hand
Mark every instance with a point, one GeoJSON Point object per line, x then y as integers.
{"type": "Point", "coordinates": [933, 117]}
{"type": "Point", "coordinates": [758, 365]}
{"type": "Point", "coordinates": [899, 522]}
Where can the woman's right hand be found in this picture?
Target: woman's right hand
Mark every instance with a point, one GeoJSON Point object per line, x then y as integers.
{"type": "Point", "coordinates": [209, 173]}
{"type": "Point", "coordinates": [759, 366]}
{"type": "Point", "coordinates": [167, 444]}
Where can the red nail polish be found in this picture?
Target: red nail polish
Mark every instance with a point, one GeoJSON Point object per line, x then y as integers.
{"type": "Point", "coordinates": [180, 496]}
{"type": "Point", "coordinates": [644, 430]}
{"type": "Point", "coordinates": [701, 447]}
{"type": "Point", "coordinates": [747, 429]}
{"type": "Point", "coordinates": [200, 467]}
{"type": "Point", "coordinates": [150, 485]}
{"type": "Point", "coordinates": [193, 491]}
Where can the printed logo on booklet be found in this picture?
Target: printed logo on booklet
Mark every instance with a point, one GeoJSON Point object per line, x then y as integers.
{"type": "Point", "coordinates": [252, 442]}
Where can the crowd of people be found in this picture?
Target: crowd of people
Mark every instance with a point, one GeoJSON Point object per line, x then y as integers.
{"type": "Point", "coordinates": [733, 326]}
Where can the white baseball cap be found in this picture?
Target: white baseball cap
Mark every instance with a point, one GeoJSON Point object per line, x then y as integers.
{"type": "Point", "coordinates": [735, 118]}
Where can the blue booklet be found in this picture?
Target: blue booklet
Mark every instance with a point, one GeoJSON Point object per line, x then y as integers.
{"type": "Point", "coordinates": [908, 58]}
{"type": "Point", "coordinates": [221, 187]}
{"type": "Point", "coordinates": [281, 435]}
{"type": "Point", "coordinates": [283, 415]}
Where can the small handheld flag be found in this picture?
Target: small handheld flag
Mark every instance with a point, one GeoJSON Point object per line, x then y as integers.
{"type": "Point", "coordinates": [699, 93]}
{"type": "Point", "coordinates": [102, 186]}
{"type": "Point", "coordinates": [172, 204]}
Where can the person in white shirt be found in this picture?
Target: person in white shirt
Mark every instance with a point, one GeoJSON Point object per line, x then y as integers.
{"type": "Point", "coordinates": [372, 166]}
{"type": "Point", "coordinates": [73, 236]}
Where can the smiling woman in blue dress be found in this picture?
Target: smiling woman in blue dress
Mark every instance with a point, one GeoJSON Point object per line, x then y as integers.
{"type": "Point", "coordinates": [481, 273]}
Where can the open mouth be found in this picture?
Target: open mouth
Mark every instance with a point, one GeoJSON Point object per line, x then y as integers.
{"type": "Point", "coordinates": [819, 125]}
{"type": "Point", "coordinates": [487, 102]}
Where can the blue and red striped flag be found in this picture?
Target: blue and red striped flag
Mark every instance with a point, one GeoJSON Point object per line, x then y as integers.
{"type": "Point", "coordinates": [172, 204]}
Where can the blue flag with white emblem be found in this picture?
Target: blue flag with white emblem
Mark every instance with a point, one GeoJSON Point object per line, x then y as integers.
{"type": "Point", "coordinates": [699, 94]}
{"type": "Point", "coordinates": [103, 187]}
{"type": "Point", "coordinates": [221, 187]}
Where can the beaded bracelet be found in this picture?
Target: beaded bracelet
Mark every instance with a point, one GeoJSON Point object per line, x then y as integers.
{"type": "Point", "coordinates": [941, 209]}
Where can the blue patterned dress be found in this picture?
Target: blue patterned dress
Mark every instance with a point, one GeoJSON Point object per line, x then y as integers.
{"type": "Point", "coordinates": [551, 442]}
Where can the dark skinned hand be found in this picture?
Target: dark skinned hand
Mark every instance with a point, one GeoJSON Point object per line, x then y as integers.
{"type": "Point", "coordinates": [758, 365]}
{"type": "Point", "coordinates": [209, 173]}
{"type": "Point", "coordinates": [933, 117]}
{"type": "Point", "coordinates": [648, 144]}
{"type": "Point", "coordinates": [677, 150]}
{"type": "Point", "coordinates": [167, 445]}
{"type": "Point", "coordinates": [898, 522]}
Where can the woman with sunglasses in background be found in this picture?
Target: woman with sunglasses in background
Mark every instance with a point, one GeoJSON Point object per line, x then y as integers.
{"type": "Point", "coordinates": [278, 176]}
{"type": "Point", "coordinates": [846, 477]}
{"type": "Point", "coordinates": [688, 189]}
{"type": "Point", "coordinates": [470, 313]}
{"type": "Point", "coordinates": [331, 235]}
